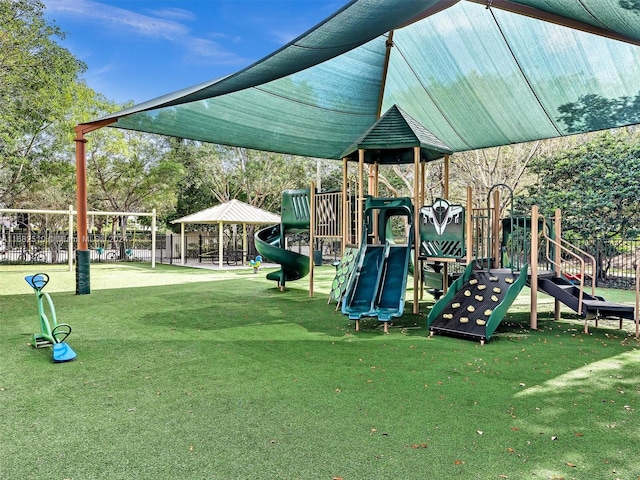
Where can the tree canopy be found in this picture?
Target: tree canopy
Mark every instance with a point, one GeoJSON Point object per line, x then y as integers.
{"type": "Point", "coordinates": [594, 184]}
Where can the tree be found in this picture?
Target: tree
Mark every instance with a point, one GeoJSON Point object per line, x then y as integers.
{"type": "Point", "coordinates": [217, 173]}
{"type": "Point", "coordinates": [37, 77]}
{"type": "Point", "coordinates": [595, 186]}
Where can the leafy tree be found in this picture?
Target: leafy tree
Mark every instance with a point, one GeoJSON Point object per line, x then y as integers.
{"type": "Point", "coordinates": [37, 78]}
{"type": "Point", "coordinates": [595, 186]}
{"type": "Point", "coordinates": [216, 174]}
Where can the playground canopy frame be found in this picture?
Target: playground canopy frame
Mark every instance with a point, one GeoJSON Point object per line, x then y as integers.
{"type": "Point", "coordinates": [457, 68]}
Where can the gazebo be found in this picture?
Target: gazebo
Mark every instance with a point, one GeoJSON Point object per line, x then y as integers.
{"type": "Point", "coordinates": [232, 212]}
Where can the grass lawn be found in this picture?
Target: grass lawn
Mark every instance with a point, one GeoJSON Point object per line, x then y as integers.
{"type": "Point", "coordinates": [198, 374]}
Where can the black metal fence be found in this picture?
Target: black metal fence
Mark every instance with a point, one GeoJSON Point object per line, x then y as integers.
{"type": "Point", "coordinates": [30, 247]}
{"type": "Point", "coordinates": [615, 259]}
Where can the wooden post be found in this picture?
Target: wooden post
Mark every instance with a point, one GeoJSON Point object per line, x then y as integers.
{"type": "Point", "coordinates": [445, 187]}
{"type": "Point", "coordinates": [371, 190]}
{"type": "Point", "coordinates": [416, 222]}
{"type": "Point", "coordinates": [83, 272]}
{"type": "Point", "coordinates": [495, 234]}
{"type": "Point", "coordinates": [469, 226]}
{"type": "Point", "coordinates": [360, 211]}
{"type": "Point", "coordinates": [346, 213]}
{"type": "Point", "coordinates": [416, 231]}
{"type": "Point", "coordinates": [81, 189]}
{"type": "Point", "coordinates": [557, 227]}
{"type": "Point", "coordinates": [534, 268]}
{"type": "Point", "coordinates": [245, 244]}
{"type": "Point", "coordinates": [220, 244]}
{"type": "Point", "coordinates": [312, 234]}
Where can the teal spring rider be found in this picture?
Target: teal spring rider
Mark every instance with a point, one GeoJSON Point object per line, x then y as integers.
{"type": "Point", "coordinates": [55, 336]}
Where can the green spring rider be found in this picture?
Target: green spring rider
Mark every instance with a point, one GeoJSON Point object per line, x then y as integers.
{"type": "Point", "coordinates": [49, 336]}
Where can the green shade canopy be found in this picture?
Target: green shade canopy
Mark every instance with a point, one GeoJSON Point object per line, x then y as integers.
{"type": "Point", "coordinates": [471, 74]}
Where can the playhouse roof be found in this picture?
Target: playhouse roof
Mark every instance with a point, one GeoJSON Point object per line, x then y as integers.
{"type": "Point", "coordinates": [393, 138]}
{"type": "Point", "coordinates": [473, 74]}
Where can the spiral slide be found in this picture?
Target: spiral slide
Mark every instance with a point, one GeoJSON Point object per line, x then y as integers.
{"type": "Point", "coordinates": [270, 241]}
{"type": "Point", "coordinates": [294, 266]}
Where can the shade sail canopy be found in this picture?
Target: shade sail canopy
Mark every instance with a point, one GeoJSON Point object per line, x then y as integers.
{"type": "Point", "coordinates": [233, 212]}
{"type": "Point", "coordinates": [473, 74]}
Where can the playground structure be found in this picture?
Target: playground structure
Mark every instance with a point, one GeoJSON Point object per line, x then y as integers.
{"type": "Point", "coordinates": [51, 332]}
{"type": "Point", "coordinates": [501, 256]}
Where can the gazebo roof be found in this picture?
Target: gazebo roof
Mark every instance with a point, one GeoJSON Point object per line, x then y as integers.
{"type": "Point", "coordinates": [234, 211]}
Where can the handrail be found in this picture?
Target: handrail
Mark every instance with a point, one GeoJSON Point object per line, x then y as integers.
{"type": "Point", "coordinates": [593, 263]}
{"type": "Point", "coordinates": [567, 250]}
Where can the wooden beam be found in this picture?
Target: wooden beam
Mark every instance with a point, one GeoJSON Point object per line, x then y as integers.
{"type": "Point", "coordinates": [81, 179]}
{"type": "Point", "coordinates": [533, 283]}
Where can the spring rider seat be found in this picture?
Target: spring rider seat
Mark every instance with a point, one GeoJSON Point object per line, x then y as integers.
{"type": "Point", "coordinates": [51, 333]}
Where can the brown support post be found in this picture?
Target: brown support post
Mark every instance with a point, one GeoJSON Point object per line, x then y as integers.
{"type": "Point", "coordinates": [83, 258]}
{"type": "Point", "coordinates": [416, 231]}
{"type": "Point", "coordinates": [376, 179]}
{"type": "Point", "coordinates": [81, 190]}
{"type": "Point", "coordinates": [346, 213]}
{"type": "Point", "coordinates": [371, 190]}
{"type": "Point", "coordinates": [423, 167]}
{"type": "Point", "coordinates": [534, 268]}
{"type": "Point", "coordinates": [445, 187]}
{"type": "Point", "coordinates": [469, 226]}
{"type": "Point", "coordinates": [495, 243]}
{"type": "Point", "coordinates": [385, 68]}
{"type": "Point", "coordinates": [557, 226]}
{"type": "Point", "coordinates": [312, 234]}
{"type": "Point", "coordinates": [360, 211]}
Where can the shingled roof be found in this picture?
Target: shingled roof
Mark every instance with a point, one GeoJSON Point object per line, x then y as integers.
{"type": "Point", "coordinates": [392, 139]}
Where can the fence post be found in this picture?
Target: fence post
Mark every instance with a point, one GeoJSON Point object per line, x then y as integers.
{"type": "Point", "coordinates": [70, 244]}
{"type": "Point", "coordinates": [170, 248]}
{"type": "Point", "coordinates": [153, 239]}
{"type": "Point", "coordinates": [598, 256]}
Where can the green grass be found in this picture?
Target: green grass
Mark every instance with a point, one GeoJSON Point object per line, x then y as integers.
{"type": "Point", "coordinates": [196, 374]}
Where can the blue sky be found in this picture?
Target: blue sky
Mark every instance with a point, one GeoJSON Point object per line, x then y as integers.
{"type": "Point", "coordinates": [136, 50]}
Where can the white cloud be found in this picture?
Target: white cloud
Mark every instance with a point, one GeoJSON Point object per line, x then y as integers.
{"type": "Point", "coordinates": [166, 24]}
{"type": "Point", "coordinates": [119, 19]}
